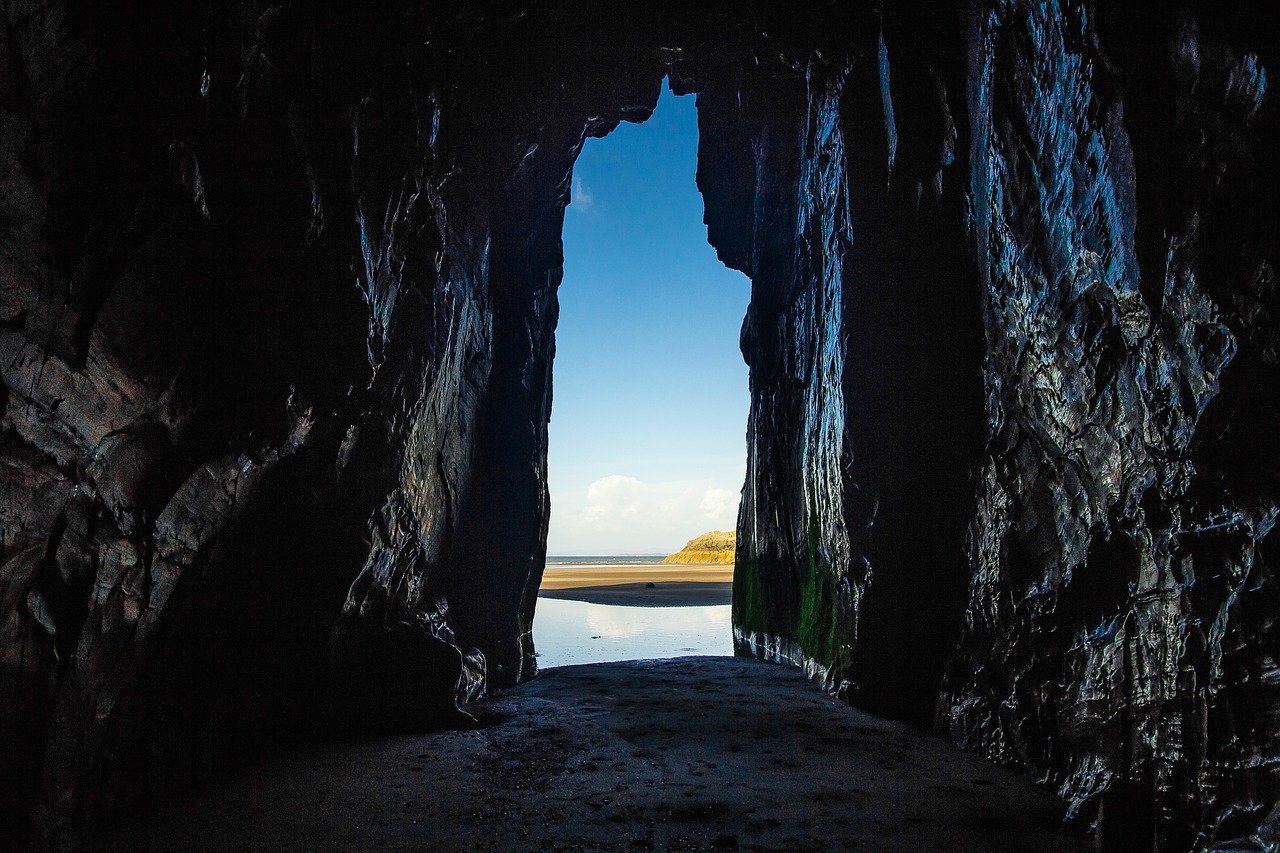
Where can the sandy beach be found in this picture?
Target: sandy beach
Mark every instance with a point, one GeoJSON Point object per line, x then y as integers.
{"type": "Point", "coordinates": [628, 584]}
{"type": "Point", "coordinates": [611, 574]}
{"type": "Point", "coordinates": [692, 753]}
{"type": "Point", "coordinates": [689, 754]}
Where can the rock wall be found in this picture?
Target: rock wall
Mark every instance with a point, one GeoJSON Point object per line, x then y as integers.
{"type": "Point", "coordinates": [1119, 636]}
{"type": "Point", "coordinates": [864, 342]}
{"type": "Point", "coordinates": [1110, 218]}
{"type": "Point", "coordinates": [794, 600]}
{"type": "Point", "coordinates": [170, 519]}
{"type": "Point", "coordinates": [220, 363]}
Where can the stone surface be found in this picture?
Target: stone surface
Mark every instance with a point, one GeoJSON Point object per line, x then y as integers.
{"type": "Point", "coordinates": [691, 754]}
{"type": "Point", "coordinates": [865, 348]}
{"type": "Point", "coordinates": [1119, 635]}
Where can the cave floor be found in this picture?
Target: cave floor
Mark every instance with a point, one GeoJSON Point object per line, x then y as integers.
{"type": "Point", "coordinates": [686, 754]}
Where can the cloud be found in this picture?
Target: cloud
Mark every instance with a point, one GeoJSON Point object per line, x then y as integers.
{"type": "Point", "coordinates": [621, 515]}
{"type": "Point", "coordinates": [717, 502]}
{"type": "Point", "coordinates": [580, 199]}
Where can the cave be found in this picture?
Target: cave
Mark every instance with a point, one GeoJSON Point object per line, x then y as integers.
{"type": "Point", "coordinates": [276, 335]}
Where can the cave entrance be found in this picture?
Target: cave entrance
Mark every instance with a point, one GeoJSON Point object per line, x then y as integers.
{"type": "Point", "coordinates": [647, 438]}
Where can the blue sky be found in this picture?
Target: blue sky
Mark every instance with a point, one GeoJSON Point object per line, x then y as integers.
{"type": "Point", "coordinates": [649, 413]}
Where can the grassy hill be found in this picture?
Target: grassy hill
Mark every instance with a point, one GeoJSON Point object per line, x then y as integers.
{"type": "Point", "coordinates": [713, 547]}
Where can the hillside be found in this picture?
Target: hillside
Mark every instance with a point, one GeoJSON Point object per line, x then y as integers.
{"type": "Point", "coordinates": [714, 547]}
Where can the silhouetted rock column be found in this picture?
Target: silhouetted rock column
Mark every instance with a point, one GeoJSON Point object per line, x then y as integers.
{"type": "Point", "coordinates": [912, 381]}
{"type": "Point", "coordinates": [794, 598]}
{"type": "Point", "coordinates": [179, 344]}
{"type": "Point", "coordinates": [864, 342]}
{"type": "Point", "coordinates": [471, 229]}
{"type": "Point", "coordinates": [394, 657]}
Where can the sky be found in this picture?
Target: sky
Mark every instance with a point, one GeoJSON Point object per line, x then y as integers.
{"type": "Point", "coordinates": [649, 390]}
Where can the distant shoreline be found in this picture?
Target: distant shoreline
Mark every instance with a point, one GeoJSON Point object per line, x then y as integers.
{"type": "Point", "coordinates": [612, 559]}
{"type": "Point", "coordinates": [627, 584]}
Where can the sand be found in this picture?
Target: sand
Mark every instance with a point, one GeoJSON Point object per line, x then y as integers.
{"type": "Point", "coordinates": [627, 584]}
{"type": "Point", "coordinates": [577, 577]}
{"type": "Point", "coordinates": [685, 754]}
{"type": "Point", "coordinates": [641, 595]}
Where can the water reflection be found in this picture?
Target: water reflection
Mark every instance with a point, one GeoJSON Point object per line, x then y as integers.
{"type": "Point", "coordinates": [571, 632]}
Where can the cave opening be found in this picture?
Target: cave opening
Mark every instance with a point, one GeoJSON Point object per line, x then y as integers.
{"type": "Point", "coordinates": [1011, 340]}
{"type": "Point", "coordinates": [646, 445]}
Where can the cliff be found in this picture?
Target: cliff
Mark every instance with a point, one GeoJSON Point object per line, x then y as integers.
{"type": "Point", "coordinates": [714, 547]}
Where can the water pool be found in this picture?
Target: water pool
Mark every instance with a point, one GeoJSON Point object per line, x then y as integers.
{"type": "Point", "coordinates": [571, 632]}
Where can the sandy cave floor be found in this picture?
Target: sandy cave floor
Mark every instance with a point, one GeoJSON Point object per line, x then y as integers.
{"type": "Point", "coordinates": [684, 754]}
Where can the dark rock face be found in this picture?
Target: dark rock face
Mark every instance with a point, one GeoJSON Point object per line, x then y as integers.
{"type": "Point", "coordinates": [865, 351]}
{"type": "Point", "coordinates": [277, 326]}
{"type": "Point", "coordinates": [194, 436]}
{"type": "Point", "coordinates": [1119, 635]}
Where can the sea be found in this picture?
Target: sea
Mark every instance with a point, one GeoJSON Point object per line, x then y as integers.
{"type": "Point", "coordinates": [567, 632]}
{"type": "Point", "coordinates": [605, 560]}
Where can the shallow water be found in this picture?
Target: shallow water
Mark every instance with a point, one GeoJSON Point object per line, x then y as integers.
{"type": "Point", "coordinates": [571, 632]}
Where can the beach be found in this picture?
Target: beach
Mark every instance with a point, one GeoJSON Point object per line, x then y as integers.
{"type": "Point", "coordinates": [697, 754]}
{"type": "Point", "coordinates": [626, 583]}
{"type": "Point", "coordinates": [689, 753]}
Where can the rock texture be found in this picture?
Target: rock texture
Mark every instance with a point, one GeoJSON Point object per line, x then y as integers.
{"type": "Point", "coordinates": [864, 343]}
{"type": "Point", "coordinates": [1120, 630]}
{"type": "Point", "coordinates": [204, 400]}
{"type": "Point", "coordinates": [171, 520]}
{"type": "Point", "coordinates": [714, 547]}
{"type": "Point", "coordinates": [277, 313]}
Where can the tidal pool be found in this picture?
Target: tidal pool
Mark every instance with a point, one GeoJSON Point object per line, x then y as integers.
{"type": "Point", "coordinates": [570, 632]}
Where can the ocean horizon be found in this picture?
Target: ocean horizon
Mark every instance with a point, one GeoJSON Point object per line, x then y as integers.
{"type": "Point", "coordinates": [605, 559]}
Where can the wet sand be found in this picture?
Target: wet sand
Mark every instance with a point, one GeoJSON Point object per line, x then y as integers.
{"type": "Point", "coordinates": [687, 754]}
{"type": "Point", "coordinates": [628, 584]}
{"type": "Point", "coordinates": [640, 595]}
{"type": "Point", "coordinates": [575, 577]}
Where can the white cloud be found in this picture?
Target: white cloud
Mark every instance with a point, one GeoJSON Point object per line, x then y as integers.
{"type": "Point", "coordinates": [580, 198]}
{"type": "Point", "coordinates": [624, 515]}
{"type": "Point", "coordinates": [716, 502]}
